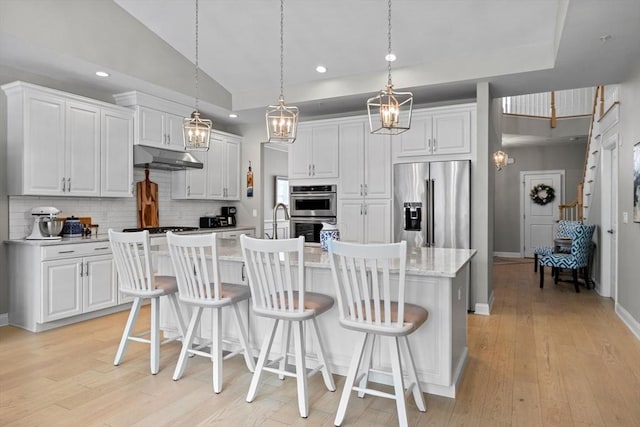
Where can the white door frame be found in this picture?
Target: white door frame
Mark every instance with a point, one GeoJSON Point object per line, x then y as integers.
{"type": "Point", "coordinates": [609, 211]}
{"type": "Point", "coordinates": [524, 196]}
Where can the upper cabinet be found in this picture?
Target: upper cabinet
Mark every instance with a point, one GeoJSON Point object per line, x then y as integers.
{"type": "Point", "coordinates": [314, 154]}
{"type": "Point", "coordinates": [220, 177]}
{"type": "Point", "coordinates": [65, 145]}
{"type": "Point", "coordinates": [438, 131]}
{"type": "Point", "coordinates": [158, 121]}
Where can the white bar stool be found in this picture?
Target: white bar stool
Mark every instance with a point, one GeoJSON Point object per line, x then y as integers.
{"type": "Point", "coordinates": [278, 292]}
{"type": "Point", "coordinates": [136, 278]}
{"type": "Point", "coordinates": [200, 287]}
{"type": "Point", "coordinates": [361, 274]}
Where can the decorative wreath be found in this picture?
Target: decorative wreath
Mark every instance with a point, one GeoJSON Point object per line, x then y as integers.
{"type": "Point", "coordinates": [542, 194]}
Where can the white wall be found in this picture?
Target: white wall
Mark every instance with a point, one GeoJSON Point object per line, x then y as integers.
{"type": "Point", "coordinates": [628, 302]}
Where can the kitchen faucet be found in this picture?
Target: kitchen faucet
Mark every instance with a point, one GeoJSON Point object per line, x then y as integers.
{"type": "Point", "coordinates": [275, 218]}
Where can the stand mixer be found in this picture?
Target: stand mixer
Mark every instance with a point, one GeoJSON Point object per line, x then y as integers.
{"type": "Point", "coordinates": [41, 214]}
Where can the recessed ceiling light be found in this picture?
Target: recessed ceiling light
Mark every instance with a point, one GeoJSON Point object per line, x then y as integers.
{"type": "Point", "coordinates": [233, 115]}
{"type": "Point", "coordinates": [102, 74]}
{"type": "Point", "coordinates": [321, 69]}
{"type": "Point", "coordinates": [390, 57]}
{"type": "Point", "coordinates": [605, 38]}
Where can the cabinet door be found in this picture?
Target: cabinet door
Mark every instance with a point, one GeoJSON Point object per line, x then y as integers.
{"type": "Point", "coordinates": [151, 127]}
{"type": "Point", "coordinates": [452, 132]}
{"type": "Point", "coordinates": [350, 221]}
{"type": "Point", "coordinates": [99, 285]}
{"type": "Point", "coordinates": [196, 179]}
{"type": "Point", "coordinates": [352, 159]}
{"type": "Point", "coordinates": [173, 132]}
{"type": "Point", "coordinates": [232, 166]}
{"type": "Point", "coordinates": [215, 166]}
{"type": "Point", "coordinates": [61, 289]}
{"type": "Point", "coordinates": [417, 140]}
{"type": "Point", "coordinates": [82, 149]}
{"type": "Point", "coordinates": [116, 154]}
{"type": "Point", "coordinates": [325, 154]}
{"type": "Point", "coordinates": [44, 144]}
{"type": "Point", "coordinates": [377, 166]}
{"type": "Point", "coordinates": [377, 221]}
{"type": "Point", "coordinates": [299, 155]}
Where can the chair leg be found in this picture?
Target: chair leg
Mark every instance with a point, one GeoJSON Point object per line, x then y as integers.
{"type": "Point", "coordinates": [366, 363]}
{"type": "Point", "coordinates": [556, 277]}
{"type": "Point", "coordinates": [413, 377]}
{"type": "Point", "coordinates": [284, 346]}
{"type": "Point", "coordinates": [326, 375]}
{"type": "Point", "coordinates": [535, 263]}
{"type": "Point", "coordinates": [541, 276]}
{"type": "Point", "coordinates": [244, 341]}
{"type": "Point", "coordinates": [398, 383]}
{"type": "Point", "coordinates": [128, 330]}
{"type": "Point", "coordinates": [301, 369]}
{"type": "Point", "coordinates": [351, 377]}
{"type": "Point", "coordinates": [575, 280]}
{"type": "Point", "coordinates": [264, 353]}
{"type": "Point", "coordinates": [155, 335]}
{"type": "Point", "coordinates": [216, 349]}
{"type": "Point", "coordinates": [186, 343]}
{"type": "Point", "coordinates": [176, 308]}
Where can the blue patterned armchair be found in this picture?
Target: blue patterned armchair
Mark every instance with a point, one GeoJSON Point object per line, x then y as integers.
{"type": "Point", "coordinates": [577, 259]}
{"type": "Point", "coordinates": [565, 231]}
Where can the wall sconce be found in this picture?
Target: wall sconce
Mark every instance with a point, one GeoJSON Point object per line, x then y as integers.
{"type": "Point", "coordinates": [500, 158]}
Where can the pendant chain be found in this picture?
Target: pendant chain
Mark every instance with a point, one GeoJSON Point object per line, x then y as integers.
{"type": "Point", "coordinates": [197, 55]}
{"type": "Point", "coordinates": [281, 49]}
{"type": "Point", "coordinates": [389, 37]}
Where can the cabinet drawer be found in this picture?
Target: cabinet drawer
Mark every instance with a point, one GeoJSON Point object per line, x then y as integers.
{"type": "Point", "coordinates": [75, 250]}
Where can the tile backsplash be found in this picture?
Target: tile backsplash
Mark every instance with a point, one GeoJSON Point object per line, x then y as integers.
{"type": "Point", "coordinates": [113, 213]}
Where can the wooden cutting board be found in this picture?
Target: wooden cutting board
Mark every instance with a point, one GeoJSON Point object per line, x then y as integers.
{"type": "Point", "coordinates": [147, 196]}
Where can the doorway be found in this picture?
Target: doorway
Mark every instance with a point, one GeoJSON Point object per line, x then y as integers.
{"type": "Point", "coordinates": [538, 222]}
{"type": "Point", "coordinates": [609, 248]}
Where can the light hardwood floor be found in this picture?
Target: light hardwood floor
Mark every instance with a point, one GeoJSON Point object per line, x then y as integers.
{"type": "Point", "coordinates": [543, 358]}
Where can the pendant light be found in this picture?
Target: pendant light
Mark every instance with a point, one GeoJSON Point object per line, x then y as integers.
{"type": "Point", "coordinates": [282, 120]}
{"type": "Point", "coordinates": [196, 131]}
{"type": "Point", "coordinates": [500, 159]}
{"type": "Point", "coordinates": [390, 111]}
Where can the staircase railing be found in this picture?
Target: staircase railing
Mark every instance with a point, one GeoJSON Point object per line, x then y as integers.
{"type": "Point", "coordinates": [575, 210]}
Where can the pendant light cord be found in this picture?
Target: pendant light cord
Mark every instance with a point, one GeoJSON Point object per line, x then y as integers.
{"type": "Point", "coordinates": [197, 68]}
{"type": "Point", "coordinates": [389, 49]}
{"type": "Point", "coordinates": [281, 50]}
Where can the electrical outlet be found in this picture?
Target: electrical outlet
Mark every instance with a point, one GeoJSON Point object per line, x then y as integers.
{"type": "Point", "coordinates": [255, 212]}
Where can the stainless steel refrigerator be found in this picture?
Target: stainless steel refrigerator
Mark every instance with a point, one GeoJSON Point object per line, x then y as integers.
{"type": "Point", "coordinates": [432, 204]}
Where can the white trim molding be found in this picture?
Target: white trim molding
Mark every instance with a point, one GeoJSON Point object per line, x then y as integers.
{"type": "Point", "coordinates": [627, 319]}
{"type": "Point", "coordinates": [508, 254]}
{"type": "Point", "coordinates": [485, 309]}
{"type": "Point", "coordinates": [4, 319]}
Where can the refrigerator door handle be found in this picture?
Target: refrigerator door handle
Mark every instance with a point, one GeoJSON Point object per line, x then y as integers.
{"type": "Point", "coordinates": [428, 212]}
{"type": "Point", "coordinates": [432, 220]}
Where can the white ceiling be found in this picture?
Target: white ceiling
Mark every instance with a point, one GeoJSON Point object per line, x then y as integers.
{"type": "Point", "coordinates": [443, 47]}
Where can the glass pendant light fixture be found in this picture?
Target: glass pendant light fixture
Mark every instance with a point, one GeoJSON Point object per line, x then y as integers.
{"type": "Point", "coordinates": [196, 131]}
{"type": "Point", "coordinates": [500, 159]}
{"type": "Point", "coordinates": [282, 120]}
{"type": "Point", "coordinates": [390, 111]}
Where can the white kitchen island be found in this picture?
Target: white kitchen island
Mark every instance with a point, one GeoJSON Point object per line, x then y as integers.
{"type": "Point", "coordinates": [436, 279]}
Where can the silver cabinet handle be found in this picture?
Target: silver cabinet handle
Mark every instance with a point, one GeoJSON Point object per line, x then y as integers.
{"type": "Point", "coordinates": [81, 268]}
{"type": "Point", "coordinates": [64, 185]}
{"type": "Point", "coordinates": [610, 231]}
{"type": "Point", "coordinates": [131, 187]}
{"type": "Point", "coordinates": [360, 208]}
{"type": "Point", "coordinates": [309, 169]}
{"type": "Point", "coordinates": [314, 170]}
{"type": "Point", "coordinates": [86, 270]}
{"type": "Point", "coordinates": [102, 248]}
{"type": "Point", "coordinates": [69, 185]}
{"type": "Point", "coordinates": [242, 272]}
{"type": "Point", "coordinates": [188, 190]}
{"type": "Point", "coordinates": [429, 147]}
{"type": "Point", "coordinates": [365, 208]}
{"type": "Point", "coordinates": [66, 252]}
{"type": "Point", "coordinates": [366, 190]}
{"type": "Point", "coordinates": [361, 190]}
{"type": "Point", "coordinates": [435, 145]}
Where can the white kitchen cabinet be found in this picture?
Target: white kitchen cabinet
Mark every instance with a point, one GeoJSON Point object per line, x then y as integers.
{"type": "Point", "coordinates": [116, 153]}
{"type": "Point", "coordinates": [56, 142]}
{"type": "Point", "coordinates": [438, 131]}
{"type": "Point", "coordinates": [58, 284]}
{"type": "Point", "coordinates": [314, 154]}
{"type": "Point", "coordinates": [365, 162]}
{"type": "Point", "coordinates": [365, 220]}
{"type": "Point", "coordinates": [220, 177]}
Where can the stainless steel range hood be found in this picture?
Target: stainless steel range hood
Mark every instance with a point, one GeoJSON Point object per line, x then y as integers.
{"type": "Point", "coordinates": [160, 158]}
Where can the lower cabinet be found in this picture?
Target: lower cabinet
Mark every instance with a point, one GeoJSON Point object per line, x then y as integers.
{"type": "Point", "coordinates": [365, 220]}
{"type": "Point", "coordinates": [57, 282]}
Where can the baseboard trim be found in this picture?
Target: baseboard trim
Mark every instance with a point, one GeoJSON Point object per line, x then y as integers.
{"type": "Point", "coordinates": [507, 254]}
{"type": "Point", "coordinates": [627, 319]}
{"type": "Point", "coordinates": [484, 309]}
{"type": "Point", "coordinates": [4, 319]}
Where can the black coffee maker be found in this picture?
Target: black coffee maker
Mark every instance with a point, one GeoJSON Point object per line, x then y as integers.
{"type": "Point", "coordinates": [229, 212]}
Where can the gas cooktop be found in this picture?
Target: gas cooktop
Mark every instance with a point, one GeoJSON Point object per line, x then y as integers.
{"type": "Point", "coordinates": [161, 230]}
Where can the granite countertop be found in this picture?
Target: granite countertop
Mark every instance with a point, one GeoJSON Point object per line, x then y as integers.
{"type": "Point", "coordinates": [104, 237]}
{"type": "Point", "coordinates": [433, 262]}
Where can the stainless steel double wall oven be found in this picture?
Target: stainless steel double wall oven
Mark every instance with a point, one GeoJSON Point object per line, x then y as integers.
{"type": "Point", "coordinates": [310, 206]}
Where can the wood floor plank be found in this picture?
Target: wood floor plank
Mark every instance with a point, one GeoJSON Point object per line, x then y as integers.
{"type": "Point", "coordinates": [545, 357]}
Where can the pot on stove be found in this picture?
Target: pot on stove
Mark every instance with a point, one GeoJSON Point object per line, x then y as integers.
{"type": "Point", "coordinates": [72, 227]}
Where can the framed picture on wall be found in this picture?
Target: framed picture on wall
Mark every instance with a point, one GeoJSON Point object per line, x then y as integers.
{"type": "Point", "coordinates": [636, 182]}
